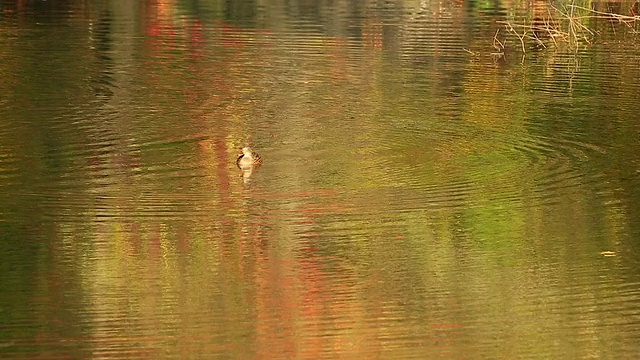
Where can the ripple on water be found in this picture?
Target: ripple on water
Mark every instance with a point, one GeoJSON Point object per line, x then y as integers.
{"type": "Point", "coordinates": [455, 160]}
{"type": "Point", "coordinates": [10, 168]}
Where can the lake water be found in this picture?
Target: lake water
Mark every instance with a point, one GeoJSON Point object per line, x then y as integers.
{"type": "Point", "coordinates": [427, 191]}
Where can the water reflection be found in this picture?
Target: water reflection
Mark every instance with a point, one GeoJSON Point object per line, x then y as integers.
{"type": "Point", "coordinates": [415, 200]}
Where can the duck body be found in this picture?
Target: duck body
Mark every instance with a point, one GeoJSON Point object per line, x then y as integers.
{"type": "Point", "coordinates": [248, 159]}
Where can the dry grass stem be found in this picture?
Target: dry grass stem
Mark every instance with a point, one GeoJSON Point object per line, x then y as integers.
{"type": "Point", "coordinates": [560, 26]}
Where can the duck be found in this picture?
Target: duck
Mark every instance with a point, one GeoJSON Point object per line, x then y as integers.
{"type": "Point", "coordinates": [248, 159]}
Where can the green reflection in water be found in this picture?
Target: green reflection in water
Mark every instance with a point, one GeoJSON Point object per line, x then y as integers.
{"type": "Point", "coordinates": [415, 200]}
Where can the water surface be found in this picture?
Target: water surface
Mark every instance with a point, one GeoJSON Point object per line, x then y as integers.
{"type": "Point", "coordinates": [424, 194]}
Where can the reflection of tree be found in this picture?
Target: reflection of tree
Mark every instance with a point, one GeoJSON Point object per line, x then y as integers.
{"type": "Point", "coordinates": [446, 201]}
